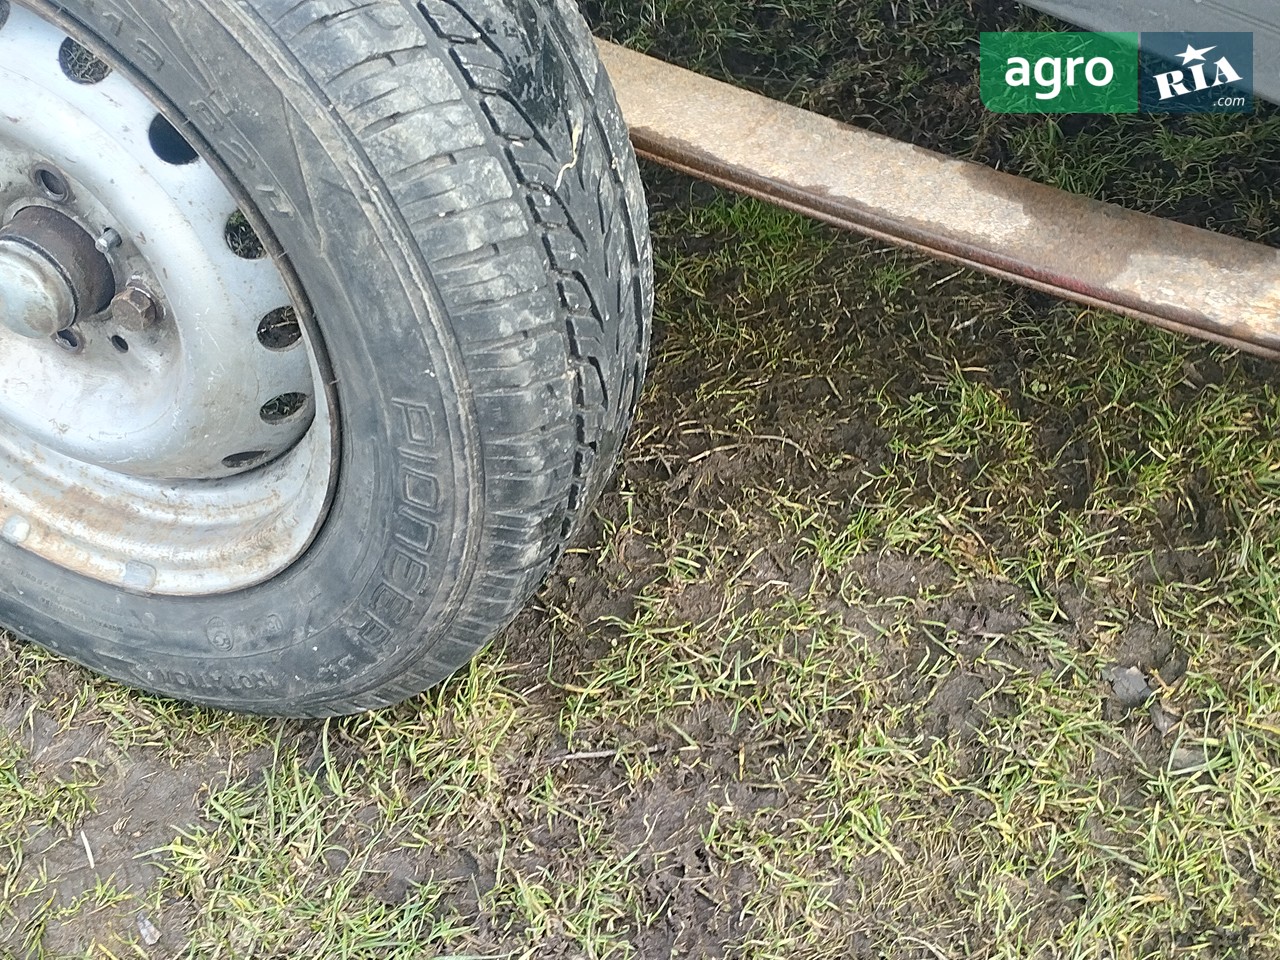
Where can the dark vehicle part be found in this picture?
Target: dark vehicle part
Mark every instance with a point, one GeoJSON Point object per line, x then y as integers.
{"type": "Point", "coordinates": [1259, 17]}
{"type": "Point", "coordinates": [322, 327]}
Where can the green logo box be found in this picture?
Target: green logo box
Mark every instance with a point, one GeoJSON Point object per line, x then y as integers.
{"type": "Point", "coordinates": [1060, 72]}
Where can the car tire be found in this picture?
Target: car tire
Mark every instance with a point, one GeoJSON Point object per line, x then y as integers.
{"type": "Point", "coordinates": [447, 190]}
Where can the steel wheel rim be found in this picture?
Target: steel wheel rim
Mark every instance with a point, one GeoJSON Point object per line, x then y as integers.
{"type": "Point", "coordinates": [176, 442]}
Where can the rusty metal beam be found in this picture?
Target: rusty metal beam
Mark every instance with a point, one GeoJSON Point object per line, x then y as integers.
{"type": "Point", "coordinates": [1179, 277]}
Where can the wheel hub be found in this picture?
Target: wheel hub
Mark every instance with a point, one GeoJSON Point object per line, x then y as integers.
{"type": "Point", "coordinates": [50, 273]}
{"type": "Point", "coordinates": [35, 298]}
{"type": "Point", "coordinates": [159, 417]}
{"type": "Point", "coordinates": [83, 151]}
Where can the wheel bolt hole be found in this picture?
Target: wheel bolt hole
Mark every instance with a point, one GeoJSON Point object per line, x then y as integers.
{"type": "Point", "coordinates": [120, 343]}
{"type": "Point", "coordinates": [281, 408]}
{"type": "Point", "coordinates": [79, 64]}
{"type": "Point", "coordinates": [241, 238]}
{"type": "Point", "coordinates": [279, 329]}
{"type": "Point", "coordinates": [169, 145]}
{"type": "Point", "coordinates": [53, 183]}
{"type": "Point", "coordinates": [244, 459]}
{"type": "Point", "coordinates": [69, 340]}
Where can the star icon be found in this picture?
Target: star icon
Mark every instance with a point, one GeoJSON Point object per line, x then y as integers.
{"type": "Point", "coordinates": [1191, 53]}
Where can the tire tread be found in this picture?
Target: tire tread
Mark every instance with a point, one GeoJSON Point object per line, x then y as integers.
{"type": "Point", "coordinates": [533, 191]}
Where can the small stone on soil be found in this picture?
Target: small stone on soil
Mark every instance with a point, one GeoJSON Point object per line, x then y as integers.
{"type": "Point", "coordinates": [1163, 720]}
{"type": "Point", "coordinates": [147, 929]}
{"type": "Point", "coordinates": [1184, 759]}
{"type": "Point", "coordinates": [1129, 687]}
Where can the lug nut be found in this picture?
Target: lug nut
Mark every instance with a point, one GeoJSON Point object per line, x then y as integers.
{"type": "Point", "coordinates": [108, 241]}
{"type": "Point", "coordinates": [134, 309]}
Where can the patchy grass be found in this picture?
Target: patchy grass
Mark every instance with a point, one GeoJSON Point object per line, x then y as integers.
{"type": "Point", "coordinates": [834, 671]}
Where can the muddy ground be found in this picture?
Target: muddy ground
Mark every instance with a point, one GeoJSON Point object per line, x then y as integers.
{"type": "Point", "coordinates": [927, 617]}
